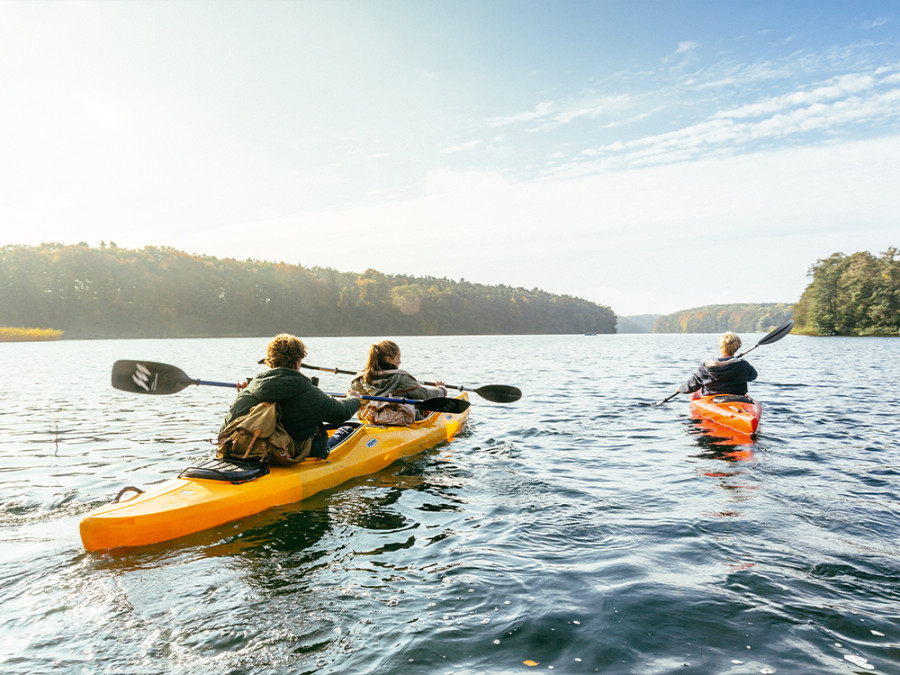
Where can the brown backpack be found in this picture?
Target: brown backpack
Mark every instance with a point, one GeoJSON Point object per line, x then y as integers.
{"type": "Point", "coordinates": [258, 435]}
{"type": "Point", "coordinates": [388, 414]}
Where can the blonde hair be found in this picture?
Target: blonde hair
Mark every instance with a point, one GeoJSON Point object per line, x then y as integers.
{"type": "Point", "coordinates": [729, 343]}
{"type": "Point", "coordinates": [379, 353]}
{"type": "Point", "coordinates": [285, 351]}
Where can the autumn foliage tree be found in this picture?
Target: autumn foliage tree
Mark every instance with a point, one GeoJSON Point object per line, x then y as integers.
{"type": "Point", "coordinates": [740, 318]}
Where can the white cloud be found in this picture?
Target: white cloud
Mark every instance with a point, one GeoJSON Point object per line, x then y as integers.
{"type": "Point", "coordinates": [843, 101]}
{"type": "Point", "coordinates": [102, 111]}
{"type": "Point", "coordinates": [552, 115]}
{"type": "Point", "coordinates": [687, 47]}
{"type": "Point", "coordinates": [838, 87]}
{"type": "Point", "coordinates": [466, 184]}
{"type": "Point", "coordinates": [542, 109]}
{"type": "Point", "coordinates": [876, 23]}
{"type": "Point", "coordinates": [462, 147]}
{"type": "Point", "coordinates": [684, 53]}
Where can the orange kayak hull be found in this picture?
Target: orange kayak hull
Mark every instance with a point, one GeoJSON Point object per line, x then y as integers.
{"type": "Point", "coordinates": [739, 413]}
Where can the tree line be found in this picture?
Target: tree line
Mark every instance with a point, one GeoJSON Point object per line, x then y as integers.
{"type": "Point", "coordinates": [857, 294]}
{"type": "Point", "coordinates": [740, 318]}
{"type": "Point", "coordinates": [113, 292]}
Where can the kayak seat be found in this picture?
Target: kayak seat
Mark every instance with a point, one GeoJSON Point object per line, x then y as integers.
{"type": "Point", "coordinates": [731, 398]}
{"type": "Point", "coordinates": [231, 470]}
{"type": "Point", "coordinates": [348, 423]}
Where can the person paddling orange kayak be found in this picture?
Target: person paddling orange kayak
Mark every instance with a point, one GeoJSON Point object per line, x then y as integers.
{"type": "Point", "coordinates": [727, 374]}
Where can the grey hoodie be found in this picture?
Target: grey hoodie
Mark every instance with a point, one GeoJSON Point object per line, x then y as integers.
{"type": "Point", "coordinates": [397, 383]}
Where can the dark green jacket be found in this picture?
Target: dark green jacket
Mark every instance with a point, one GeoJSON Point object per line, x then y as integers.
{"type": "Point", "coordinates": [304, 407]}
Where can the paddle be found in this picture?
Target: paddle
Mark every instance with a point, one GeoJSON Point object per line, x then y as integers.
{"type": "Point", "coordinates": [498, 393]}
{"type": "Point", "coordinates": [773, 336]}
{"type": "Point", "coordinates": [150, 377]}
{"type": "Point", "coordinates": [767, 339]}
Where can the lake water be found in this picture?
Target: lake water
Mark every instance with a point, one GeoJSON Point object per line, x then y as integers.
{"type": "Point", "coordinates": [580, 530]}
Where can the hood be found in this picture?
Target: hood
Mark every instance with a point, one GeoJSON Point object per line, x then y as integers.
{"type": "Point", "coordinates": [278, 383]}
{"type": "Point", "coordinates": [382, 381]}
{"type": "Point", "coordinates": [725, 367]}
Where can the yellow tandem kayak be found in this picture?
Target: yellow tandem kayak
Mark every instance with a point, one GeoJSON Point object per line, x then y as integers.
{"type": "Point", "coordinates": [195, 501]}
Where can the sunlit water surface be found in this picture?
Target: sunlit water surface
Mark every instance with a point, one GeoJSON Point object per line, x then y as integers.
{"type": "Point", "coordinates": [580, 530]}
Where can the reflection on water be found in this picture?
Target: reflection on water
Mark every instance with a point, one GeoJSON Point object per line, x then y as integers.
{"type": "Point", "coordinates": [582, 528]}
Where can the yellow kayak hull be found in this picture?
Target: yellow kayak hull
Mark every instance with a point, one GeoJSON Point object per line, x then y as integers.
{"type": "Point", "coordinates": [187, 505]}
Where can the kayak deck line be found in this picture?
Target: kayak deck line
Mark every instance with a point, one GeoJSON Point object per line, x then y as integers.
{"type": "Point", "coordinates": [186, 505]}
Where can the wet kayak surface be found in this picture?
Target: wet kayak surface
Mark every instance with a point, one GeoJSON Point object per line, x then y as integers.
{"type": "Point", "coordinates": [581, 527]}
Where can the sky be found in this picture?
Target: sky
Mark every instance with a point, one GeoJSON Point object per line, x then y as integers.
{"type": "Point", "coordinates": [650, 156]}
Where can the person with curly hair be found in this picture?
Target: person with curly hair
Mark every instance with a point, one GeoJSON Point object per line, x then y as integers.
{"type": "Point", "coordinates": [304, 407]}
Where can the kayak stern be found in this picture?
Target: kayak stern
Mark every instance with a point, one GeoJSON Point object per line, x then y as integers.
{"type": "Point", "coordinates": [740, 413]}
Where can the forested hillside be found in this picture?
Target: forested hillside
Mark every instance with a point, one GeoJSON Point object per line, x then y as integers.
{"type": "Point", "coordinates": [740, 318]}
{"type": "Point", "coordinates": [161, 292]}
{"type": "Point", "coordinates": [857, 294]}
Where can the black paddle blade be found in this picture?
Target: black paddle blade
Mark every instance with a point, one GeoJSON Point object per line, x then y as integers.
{"type": "Point", "coordinates": [148, 377]}
{"type": "Point", "coordinates": [444, 405]}
{"type": "Point", "coordinates": [778, 333]}
{"type": "Point", "coordinates": [499, 393]}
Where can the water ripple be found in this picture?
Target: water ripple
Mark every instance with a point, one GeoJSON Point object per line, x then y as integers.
{"type": "Point", "coordinates": [583, 528]}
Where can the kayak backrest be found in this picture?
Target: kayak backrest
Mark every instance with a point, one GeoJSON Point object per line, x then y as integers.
{"type": "Point", "coordinates": [230, 470]}
{"type": "Point", "coordinates": [731, 398]}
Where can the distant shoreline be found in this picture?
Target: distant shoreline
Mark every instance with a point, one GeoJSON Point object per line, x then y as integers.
{"type": "Point", "coordinates": [19, 334]}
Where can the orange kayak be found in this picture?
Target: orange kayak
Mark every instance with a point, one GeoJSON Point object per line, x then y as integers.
{"type": "Point", "coordinates": [219, 491]}
{"type": "Point", "coordinates": [740, 413]}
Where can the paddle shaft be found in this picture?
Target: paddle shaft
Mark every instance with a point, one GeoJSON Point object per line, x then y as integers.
{"type": "Point", "coordinates": [214, 384]}
{"type": "Point", "coordinates": [668, 398]}
{"type": "Point", "coordinates": [498, 393]}
{"type": "Point", "coordinates": [149, 377]}
{"type": "Point", "coordinates": [389, 399]}
{"type": "Point", "coordinates": [353, 372]}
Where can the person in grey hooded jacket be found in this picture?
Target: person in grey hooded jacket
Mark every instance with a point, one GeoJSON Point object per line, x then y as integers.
{"type": "Point", "coordinates": [724, 375]}
{"type": "Point", "coordinates": [304, 407]}
{"type": "Point", "coordinates": [382, 377]}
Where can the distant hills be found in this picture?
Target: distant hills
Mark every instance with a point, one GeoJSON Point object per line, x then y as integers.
{"type": "Point", "coordinates": [112, 292]}
{"type": "Point", "coordinates": [640, 323]}
{"type": "Point", "coordinates": [740, 318]}
{"type": "Point", "coordinates": [745, 318]}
